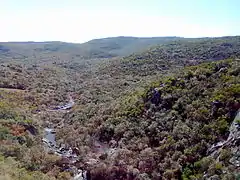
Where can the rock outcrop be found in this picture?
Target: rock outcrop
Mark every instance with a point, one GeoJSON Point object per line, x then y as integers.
{"type": "Point", "coordinates": [231, 145]}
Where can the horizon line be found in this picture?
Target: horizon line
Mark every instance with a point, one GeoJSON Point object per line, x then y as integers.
{"type": "Point", "coordinates": [137, 37]}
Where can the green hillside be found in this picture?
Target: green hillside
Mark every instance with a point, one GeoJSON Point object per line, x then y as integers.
{"type": "Point", "coordinates": [98, 48]}
{"type": "Point", "coordinates": [167, 112]}
{"type": "Point", "coordinates": [168, 135]}
{"type": "Point", "coordinates": [189, 51]}
{"type": "Point", "coordinates": [178, 54]}
{"type": "Point", "coordinates": [170, 48]}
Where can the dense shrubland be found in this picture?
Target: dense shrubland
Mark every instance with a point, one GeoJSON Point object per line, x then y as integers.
{"type": "Point", "coordinates": [169, 137]}
{"type": "Point", "coordinates": [181, 53]}
{"type": "Point", "coordinates": [161, 133]}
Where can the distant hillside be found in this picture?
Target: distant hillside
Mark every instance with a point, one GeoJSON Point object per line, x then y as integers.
{"type": "Point", "coordinates": [122, 46]}
{"type": "Point", "coordinates": [98, 48]}
{"type": "Point", "coordinates": [37, 50]}
{"type": "Point", "coordinates": [180, 52]}
{"type": "Point", "coordinates": [161, 47]}
{"type": "Point", "coordinates": [195, 49]}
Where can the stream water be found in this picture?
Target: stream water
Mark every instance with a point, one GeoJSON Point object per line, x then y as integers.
{"type": "Point", "coordinates": [71, 155]}
{"type": "Point", "coordinates": [50, 144]}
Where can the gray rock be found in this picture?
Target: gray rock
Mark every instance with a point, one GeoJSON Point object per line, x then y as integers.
{"type": "Point", "coordinates": [214, 177]}
{"type": "Point", "coordinates": [81, 175]}
{"type": "Point", "coordinates": [144, 176]}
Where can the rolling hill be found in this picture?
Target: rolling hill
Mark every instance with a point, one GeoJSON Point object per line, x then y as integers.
{"type": "Point", "coordinates": [177, 53]}
{"type": "Point", "coordinates": [98, 48]}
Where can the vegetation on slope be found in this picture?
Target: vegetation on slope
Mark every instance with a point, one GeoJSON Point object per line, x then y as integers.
{"type": "Point", "coordinates": [98, 48]}
{"type": "Point", "coordinates": [169, 48]}
{"type": "Point", "coordinates": [181, 53]}
{"type": "Point", "coordinates": [21, 153]}
{"type": "Point", "coordinates": [166, 137]}
{"type": "Point", "coordinates": [122, 46]}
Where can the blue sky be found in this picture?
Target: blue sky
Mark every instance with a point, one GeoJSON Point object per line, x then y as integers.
{"type": "Point", "coordinates": [83, 20]}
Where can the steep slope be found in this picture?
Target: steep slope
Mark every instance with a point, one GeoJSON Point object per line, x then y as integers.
{"type": "Point", "coordinates": [165, 132]}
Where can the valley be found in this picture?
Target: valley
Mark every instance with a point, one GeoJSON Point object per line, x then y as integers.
{"type": "Point", "coordinates": [121, 108]}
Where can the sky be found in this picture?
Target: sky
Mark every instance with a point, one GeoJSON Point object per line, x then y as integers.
{"type": "Point", "coordinates": [82, 20]}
